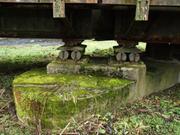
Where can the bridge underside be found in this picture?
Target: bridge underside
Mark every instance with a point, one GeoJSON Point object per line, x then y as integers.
{"type": "Point", "coordinates": [88, 21]}
{"type": "Point", "coordinates": [93, 19]}
{"type": "Point", "coordinates": [110, 2]}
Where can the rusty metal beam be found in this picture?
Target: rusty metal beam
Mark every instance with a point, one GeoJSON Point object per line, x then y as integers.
{"type": "Point", "coordinates": [115, 2]}
{"type": "Point", "coordinates": [48, 1]}
{"type": "Point", "coordinates": [152, 2]}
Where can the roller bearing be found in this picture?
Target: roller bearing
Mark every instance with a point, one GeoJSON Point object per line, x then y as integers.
{"type": "Point", "coordinates": [63, 55]}
{"type": "Point", "coordinates": [134, 57]}
{"type": "Point", "coordinates": [121, 56]}
{"type": "Point", "coordinates": [76, 55]}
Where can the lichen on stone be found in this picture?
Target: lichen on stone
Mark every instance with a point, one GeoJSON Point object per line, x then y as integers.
{"type": "Point", "coordinates": [54, 99]}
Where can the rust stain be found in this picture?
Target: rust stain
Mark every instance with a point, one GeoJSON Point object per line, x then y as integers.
{"type": "Point", "coordinates": [36, 106]}
{"type": "Point", "coordinates": [18, 95]}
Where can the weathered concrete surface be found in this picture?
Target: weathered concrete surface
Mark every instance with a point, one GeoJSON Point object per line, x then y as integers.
{"type": "Point", "coordinates": [150, 77]}
{"type": "Point", "coordinates": [154, 77]}
{"type": "Point", "coordinates": [83, 67]}
{"type": "Point", "coordinates": [161, 75]}
{"type": "Point", "coordinates": [53, 99]}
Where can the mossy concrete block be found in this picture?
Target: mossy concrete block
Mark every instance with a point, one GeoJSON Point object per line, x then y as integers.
{"type": "Point", "coordinates": [68, 66]}
{"type": "Point", "coordinates": [56, 67]}
{"type": "Point", "coordinates": [52, 100]}
{"type": "Point", "coordinates": [90, 67]}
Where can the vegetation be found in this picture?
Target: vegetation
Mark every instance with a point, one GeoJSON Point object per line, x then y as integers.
{"type": "Point", "coordinates": [156, 114]}
{"type": "Point", "coordinates": [68, 96]}
{"type": "Point", "coordinates": [17, 57]}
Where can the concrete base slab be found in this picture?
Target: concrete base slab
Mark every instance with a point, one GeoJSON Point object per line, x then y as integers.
{"type": "Point", "coordinates": [97, 66]}
{"type": "Point", "coordinates": [54, 99]}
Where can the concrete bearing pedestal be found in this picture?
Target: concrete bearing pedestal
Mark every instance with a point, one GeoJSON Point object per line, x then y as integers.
{"type": "Point", "coordinates": [53, 100]}
{"type": "Point", "coordinates": [78, 90]}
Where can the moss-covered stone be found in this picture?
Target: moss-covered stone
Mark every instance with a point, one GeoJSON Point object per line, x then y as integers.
{"type": "Point", "coordinates": [54, 99]}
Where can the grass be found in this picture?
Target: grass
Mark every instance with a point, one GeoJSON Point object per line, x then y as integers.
{"type": "Point", "coordinates": [105, 48]}
{"type": "Point", "coordinates": [157, 114]}
{"type": "Point", "coordinates": [21, 57]}
{"type": "Point", "coordinates": [18, 57]}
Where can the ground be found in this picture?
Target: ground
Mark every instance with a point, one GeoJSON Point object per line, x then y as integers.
{"type": "Point", "coordinates": [156, 114]}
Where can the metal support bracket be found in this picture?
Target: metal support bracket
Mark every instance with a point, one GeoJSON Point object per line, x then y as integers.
{"type": "Point", "coordinates": [59, 9]}
{"type": "Point", "coordinates": [142, 10]}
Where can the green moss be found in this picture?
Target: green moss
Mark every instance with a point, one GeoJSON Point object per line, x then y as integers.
{"type": "Point", "coordinates": [39, 76]}
{"type": "Point", "coordinates": [77, 96]}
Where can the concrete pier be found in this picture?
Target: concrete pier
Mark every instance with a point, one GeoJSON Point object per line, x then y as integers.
{"type": "Point", "coordinates": [81, 89]}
